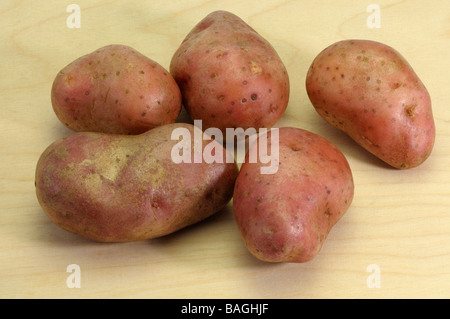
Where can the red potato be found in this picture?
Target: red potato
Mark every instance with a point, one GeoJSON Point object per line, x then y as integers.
{"type": "Point", "coordinates": [117, 188]}
{"type": "Point", "coordinates": [229, 75]}
{"type": "Point", "coordinates": [286, 216]}
{"type": "Point", "coordinates": [369, 91]}
{"type": "Point", "coordinates": [115, 89]}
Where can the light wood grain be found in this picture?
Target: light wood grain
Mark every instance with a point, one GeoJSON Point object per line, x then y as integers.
{"type": "Point", "coordinates": [399, 220]}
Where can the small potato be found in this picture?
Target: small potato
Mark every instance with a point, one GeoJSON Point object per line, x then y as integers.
{"type": "Point", "coordinates": [116, 188]}
{"type": "Point", "coordinates": [115, 89]}
{"type": "Point", "coordinates": [286, 216]}
{"type": "Point", "coordinates": [229, 75]}
{"type": "Point", "coordinates": [369, 91]}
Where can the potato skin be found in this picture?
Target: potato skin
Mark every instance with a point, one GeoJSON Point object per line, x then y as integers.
{"type": "Point", "coordinates": [117, 188]}
{"type": "Point", "coordinates": [115, 89]}
{"type": "Point", "coordinates": [368, 90]}
{"type": "Point", "coordinates": [229, 75]}
{"type": "Point", "coordinates": [286, 216]}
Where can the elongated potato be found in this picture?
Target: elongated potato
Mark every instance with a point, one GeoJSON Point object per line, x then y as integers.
{"type": "Point", "coordinates": [114, 188]}
{"type": "Point", "coordinates": [286, 216]}
{"type": "Point", "coordinates": [115, 89]}
{"type": "Point", "coordinates": [369, 91]}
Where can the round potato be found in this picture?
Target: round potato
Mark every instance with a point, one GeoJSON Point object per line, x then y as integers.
{"type": "Point", "coordinates": [229, 75]}
{"type": "Point", "coordinates": [286, 216]}
{"type": "Point", "coordinates": [115, 89]}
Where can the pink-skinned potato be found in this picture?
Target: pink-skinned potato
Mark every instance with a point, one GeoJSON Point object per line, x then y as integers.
{"type": "Point", "coordinates": [118, 188]}
{"type": "Point", "coordinates": [369, 91]}
{"type": "Point", "coordinates": [286, 216]}
{"type": "Point", "coordinates": [117, 90]}
{"type": "Point", "coordinates": [229, 75]}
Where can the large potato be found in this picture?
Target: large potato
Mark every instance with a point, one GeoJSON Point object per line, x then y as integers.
{"type": "Point", "coordinates": [114, 188]}
{"type": "Point", "coordinates": [286, 216]}
{"type": "Point", "coordinates": [229, 75]}
{"type": "Point", "coordinates": [369, 91]}
{"type": "Point", "coordinates": [115, 89]}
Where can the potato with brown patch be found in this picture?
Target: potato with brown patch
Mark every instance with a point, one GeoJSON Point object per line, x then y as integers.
{"type": "Point", "coordinates": [115, 89]}
{"type": "Point", "coordinates": [229, 75]}
{"type": "Point", "coordinates": [115, 188]}
{"type": "Point", "coordinates": [286, 216]}
{"type": "Point", "coordinates": [369, 91]}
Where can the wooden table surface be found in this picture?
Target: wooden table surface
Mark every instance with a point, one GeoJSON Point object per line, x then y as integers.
{"type": "Point", "coordinates": [393, 242]}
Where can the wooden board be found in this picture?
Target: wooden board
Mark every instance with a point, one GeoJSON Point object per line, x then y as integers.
{"type": "Point", "coordinates": [394, 242]}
